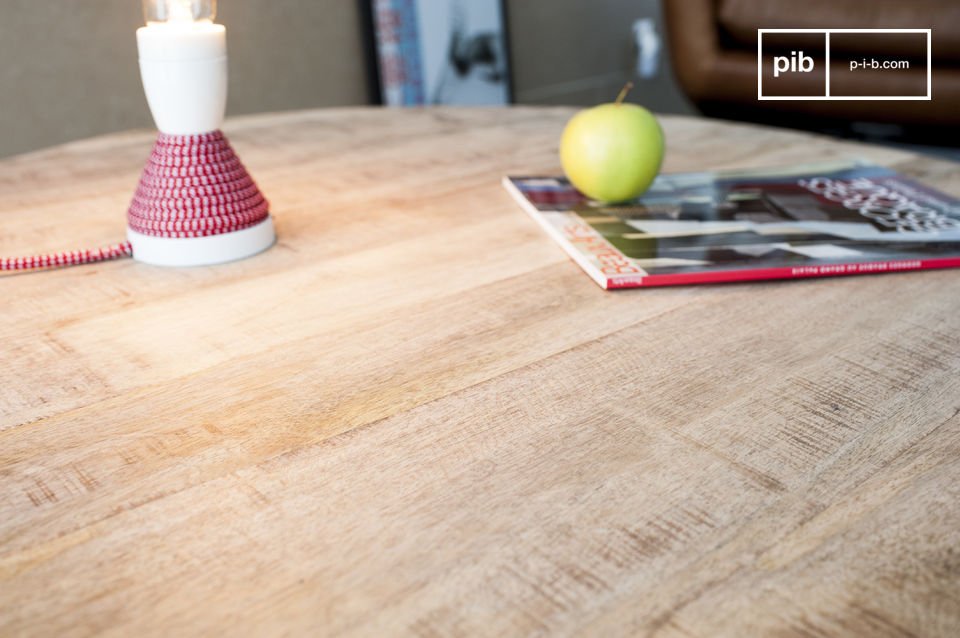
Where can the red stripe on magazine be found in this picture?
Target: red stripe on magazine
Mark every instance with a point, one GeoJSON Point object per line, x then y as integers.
{"type": "Point", "coordinates": [791, 272]}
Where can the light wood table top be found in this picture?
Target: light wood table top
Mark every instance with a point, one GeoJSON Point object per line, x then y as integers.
{"type": "Point", "coordinates": [416, 416]}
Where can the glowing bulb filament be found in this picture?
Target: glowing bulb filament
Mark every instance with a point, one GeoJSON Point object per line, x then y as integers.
{"type": "Point", "coordinates": [179, 11]}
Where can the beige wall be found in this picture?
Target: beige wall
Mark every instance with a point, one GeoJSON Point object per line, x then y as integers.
{"type": "Point", "coordinates": [68, 68]}
{"type": "Point", "coordinates": [582, 52]}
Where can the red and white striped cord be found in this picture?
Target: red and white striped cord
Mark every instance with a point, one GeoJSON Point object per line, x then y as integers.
{"type": "Point", "coordinates": [192, 186]}
{"type": "Point", "coordinates": [67, 258]}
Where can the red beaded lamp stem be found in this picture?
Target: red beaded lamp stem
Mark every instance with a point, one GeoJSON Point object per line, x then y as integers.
{"type": "Point", "coordinates": [195, 186]}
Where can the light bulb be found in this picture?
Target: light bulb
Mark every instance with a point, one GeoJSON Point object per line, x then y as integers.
{"type": "Point", "coordinates": [183, 63]}
{"type": "Point", "coordinates": [179, 11]}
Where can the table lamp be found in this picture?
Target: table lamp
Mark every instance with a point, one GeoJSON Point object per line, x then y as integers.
{"type": "Point", "coordinates": [196, 203]}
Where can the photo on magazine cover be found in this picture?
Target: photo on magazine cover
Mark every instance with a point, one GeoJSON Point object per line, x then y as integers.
{"type": "Point", "coordinates": [811, 215]}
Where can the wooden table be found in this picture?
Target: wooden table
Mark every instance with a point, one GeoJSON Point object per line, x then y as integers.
{"type": "Point", "coordinates": [416, 416]}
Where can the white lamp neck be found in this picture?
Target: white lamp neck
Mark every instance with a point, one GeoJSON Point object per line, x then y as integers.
{"type": "Point", "coordinates": [184, 71]}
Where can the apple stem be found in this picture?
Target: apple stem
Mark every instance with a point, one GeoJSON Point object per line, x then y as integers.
{"type": "Point", "coordinates": [623, 92]}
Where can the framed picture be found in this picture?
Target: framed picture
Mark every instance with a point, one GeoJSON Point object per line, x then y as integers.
{"type": "Point", "coordinates": [438, 52]}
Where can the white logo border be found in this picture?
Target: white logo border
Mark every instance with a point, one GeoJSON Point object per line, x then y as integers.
{"type": "Point", "coordinates": [827, 96]}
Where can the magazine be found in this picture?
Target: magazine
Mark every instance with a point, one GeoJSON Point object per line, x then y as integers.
{"type": "Point", "coordinates": [812, 220]}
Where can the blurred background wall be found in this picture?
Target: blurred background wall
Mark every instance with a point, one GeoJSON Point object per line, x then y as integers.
{"type": "Point", "coordinates": [581, 52]}
{"type": "Point", "coordinates": [68, 69]}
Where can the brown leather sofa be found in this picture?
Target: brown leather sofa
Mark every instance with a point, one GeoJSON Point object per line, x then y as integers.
{"type": "Point", "coordinates": [713, 44]}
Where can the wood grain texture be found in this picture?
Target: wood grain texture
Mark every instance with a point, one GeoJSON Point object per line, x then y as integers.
{"type": "Point", "coordinates": [415, 416]}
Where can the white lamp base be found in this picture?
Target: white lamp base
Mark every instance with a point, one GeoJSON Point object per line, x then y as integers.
{"type": "Point", "coordinates": [202, 251]}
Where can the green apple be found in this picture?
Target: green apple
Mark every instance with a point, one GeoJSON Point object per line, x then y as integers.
{"type": "Point", "coordinates": [612, 152]}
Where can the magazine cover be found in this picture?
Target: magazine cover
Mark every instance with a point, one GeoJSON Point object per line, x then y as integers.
{"type": "Point", "coordinates": [812, 220]}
